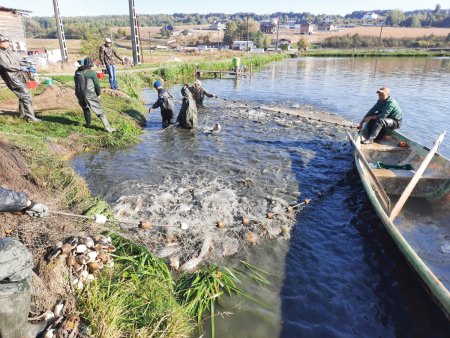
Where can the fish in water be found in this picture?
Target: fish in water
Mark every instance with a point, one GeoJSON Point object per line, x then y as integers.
{"type": "Point", "coordinates": [214, 130]}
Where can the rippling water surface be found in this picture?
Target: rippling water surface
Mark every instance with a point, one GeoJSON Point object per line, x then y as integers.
{"type": "Point", "coordinates": [340, 275]}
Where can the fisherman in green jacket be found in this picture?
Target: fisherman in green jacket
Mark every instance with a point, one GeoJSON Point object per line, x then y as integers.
{"type": "Point", "coordinates": [87, 91]}
{"type": "Point", "coordinates": [386, 113]}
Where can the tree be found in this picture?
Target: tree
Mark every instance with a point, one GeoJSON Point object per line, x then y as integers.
{"type": "Point", "coordinates": [394, 17]}
{"type": "Point", "coordinates": [266, 42]}
{"type": "Point", "coordinates": [32, 28]}
{"type": "Point", "coordinates": [302, 44]}
{"type": "Point", "coordinates": [437, 9]}
{"type": "Point", "coordinates": [259, 39]}
{"type": "Point", "coordinates": [230, 32]}
{"type": "Point", "coordinates": [91, 41]}
{"type": "Point", "coordinates": [415, 21]}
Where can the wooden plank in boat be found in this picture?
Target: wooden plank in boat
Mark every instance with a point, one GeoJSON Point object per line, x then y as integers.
{"type": "Point", "coordinates": [383, 147]}
{"type": "Point", "coordinates": [388, 173]}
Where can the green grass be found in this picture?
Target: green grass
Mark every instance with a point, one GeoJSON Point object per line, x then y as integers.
{"type": "Point", "coordinates": [42, 144]}
{"type": "Point", "coordinates": [136, 299]}
{"type": "Point", "coordinates": [371, 53]}
{"type": "Point", "coordinates": [141, 298]}
{"type": "Point", "coordinates": [176, 72]}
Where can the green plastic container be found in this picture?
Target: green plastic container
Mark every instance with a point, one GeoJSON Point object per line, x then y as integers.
{"type": "Point", "coordinates": [236, 62]}
{"type": "Point", "coordinates": [48, 81]}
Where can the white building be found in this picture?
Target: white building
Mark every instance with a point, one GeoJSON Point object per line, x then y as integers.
{"type": "Point", "coordinates": [217, 25]}
{"type": "Point", "coordinates": [242, 45]}
{"type": "Point", "coordinates": [371, 16]}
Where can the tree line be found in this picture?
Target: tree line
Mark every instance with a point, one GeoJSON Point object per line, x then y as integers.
{"type": "Point", "coordinates": [77, 26]}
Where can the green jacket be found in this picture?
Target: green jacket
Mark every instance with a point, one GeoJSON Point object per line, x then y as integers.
{"type": "Point", "coordinates": [83, 87]}
{"type": "Point", "coordinates": [386, 109]}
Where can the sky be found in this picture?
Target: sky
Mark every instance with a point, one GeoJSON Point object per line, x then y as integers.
{"type": "Point", "coordinates": [93, 7]}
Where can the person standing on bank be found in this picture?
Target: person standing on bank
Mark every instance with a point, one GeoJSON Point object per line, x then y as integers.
{"type": "Point", "coordinates": [199, 93]}
{"type": "Point", "coordinates": [165, 103]}
{"type": "Point", "coordinates": [14, 78]}
{"type": "Point", "coordinates": [385, 114]}
{"type": "Point", "coordinates": [107, 54]}
{"type": "Point", "coordinates": [87, 91]}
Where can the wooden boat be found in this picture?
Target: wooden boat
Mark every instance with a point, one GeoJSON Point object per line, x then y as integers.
{"type": "Point", "coordinates": [421, 229]}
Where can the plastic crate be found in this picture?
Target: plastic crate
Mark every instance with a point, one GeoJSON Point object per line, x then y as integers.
{"type": "Point", "coordinates": [32, 84]}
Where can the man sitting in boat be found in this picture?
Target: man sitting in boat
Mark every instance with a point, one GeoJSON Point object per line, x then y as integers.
{"type": "Point", "coordinates": [386, 113]}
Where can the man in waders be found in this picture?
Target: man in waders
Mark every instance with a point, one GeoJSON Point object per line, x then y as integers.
{"type": "Point", "coordinates": [199, 93]}
{"type": "Point", "coordinates": [87, 91]}
{"type": "Point", "coordinates": [187, 118]}
{"type": "Point", "coordinates": [385, 114]}
{"type": "Point", "coordinates": [16, 266]}
{"type": "Point", "coordinates": [14, 78]}
{"type": "Point", "coordinates": [165, 103]}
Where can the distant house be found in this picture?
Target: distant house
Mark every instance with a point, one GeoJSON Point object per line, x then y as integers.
{"type": "Point", "coordinates": [242, 45]}
{"type": "Point", "coordinates": [326, 26]}
{"type": "Point", "coordinates": [307, 28]}
{"type": "Point", "coordinates": [12, 26]}
{"type": "Point", "coordinates": [267, 27]}
{"type": "Point", "coordinates": [217, 25]}
{"type": "Point", "coordinates": [370, 17]}
{"type": "Point", "coordinates": [167, 28]}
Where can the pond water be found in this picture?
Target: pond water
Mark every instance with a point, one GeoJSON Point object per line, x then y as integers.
{"type": "Point", "coordinates": [340, 274]}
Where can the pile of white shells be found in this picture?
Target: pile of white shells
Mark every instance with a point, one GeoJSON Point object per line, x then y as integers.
{"type": "Point", "coordinates": [85, 256]}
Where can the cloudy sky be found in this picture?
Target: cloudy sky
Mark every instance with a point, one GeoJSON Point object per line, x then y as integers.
{"type": "Point", "coordinates": [92, 7]}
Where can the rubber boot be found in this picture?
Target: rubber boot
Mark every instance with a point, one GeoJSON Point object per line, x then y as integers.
{"type": "Point", "coordinates": [105, 122]}
{"type": "Point", "coordinates": [376, 129]}
{"type": "Point", "coordinates": [87, 117]}
{"type": "Point", "coordinates": [15, 291]}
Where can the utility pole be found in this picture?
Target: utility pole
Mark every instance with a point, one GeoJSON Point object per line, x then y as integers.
{"type": "Point", "coordinates": [278, 30]}
{"type": "Point", "coordinates": [247, 33]}
{"type": "Point", "coordinates": [379, 39]}
{"type": "Point", "coordinates": [134, 34]}
{"type": "Point", "coordinates": [60, 32]}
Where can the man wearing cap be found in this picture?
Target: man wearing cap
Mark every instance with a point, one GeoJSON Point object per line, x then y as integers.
{"type": "Point", "coordinates": [87, 91]}
{"type": "Point", "coordinates": [386, 113]}
{"type": "Point", "coordinates": [199, 93]}
{"type": "Point", "coordinates": [13, 76]}
{"type": "Point", "coordinates": [107, 54]}
{"type": "Point", "coordinates": [165, 103]}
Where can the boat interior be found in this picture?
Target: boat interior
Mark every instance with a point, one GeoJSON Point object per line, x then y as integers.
{"type": "Point", "coordinates": [394, 160]}
{"type": "Point", "coordinates": [424, 221]}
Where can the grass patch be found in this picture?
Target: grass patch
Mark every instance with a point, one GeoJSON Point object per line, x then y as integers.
{"type": "Point", "coordinates": [372, 53]}
{"type": "Point", "coordinates": [137, 299]}
{"type": "Point", "coordinates": [176, 72]}
{"type": "Point", "coordinates": [140, 298]}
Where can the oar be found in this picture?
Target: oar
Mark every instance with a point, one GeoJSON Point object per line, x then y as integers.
{"type": "Point", "coordinates": [411, 185]}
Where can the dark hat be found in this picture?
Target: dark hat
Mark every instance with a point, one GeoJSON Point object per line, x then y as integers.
{"type": "Point", "coordinates": [88, 62]}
